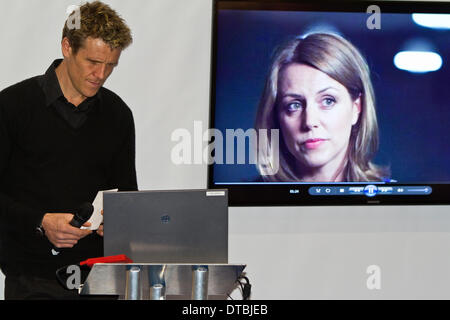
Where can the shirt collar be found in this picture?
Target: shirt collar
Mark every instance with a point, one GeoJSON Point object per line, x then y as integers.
{"type": "Point", "coordinates": [52, 89]}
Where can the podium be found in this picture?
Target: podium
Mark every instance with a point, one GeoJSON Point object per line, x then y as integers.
{"type": "Point", "coordinates": [148, 281]}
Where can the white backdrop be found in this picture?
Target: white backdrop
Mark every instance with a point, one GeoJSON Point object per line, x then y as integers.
{"type": "Point", "coordinates": [291, 253]}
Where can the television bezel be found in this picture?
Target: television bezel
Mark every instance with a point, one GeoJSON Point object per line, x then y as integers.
{"type": "Point", "coordinates": [257, 194]}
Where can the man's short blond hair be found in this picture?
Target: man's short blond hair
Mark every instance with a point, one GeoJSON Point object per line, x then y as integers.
{"type": "Point", "coordinates": [98, 21]}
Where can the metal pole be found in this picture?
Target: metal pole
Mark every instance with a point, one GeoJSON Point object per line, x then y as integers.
{"type": "Point", "coordinates": [133, 284]}
{"type": "Point", "coordinates": [200, 284]}
{"type": "Point", "coordinates": [157, 292]}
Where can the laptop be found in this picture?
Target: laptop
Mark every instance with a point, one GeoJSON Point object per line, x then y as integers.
{"type": "Point", "coordinates": [176, 226]}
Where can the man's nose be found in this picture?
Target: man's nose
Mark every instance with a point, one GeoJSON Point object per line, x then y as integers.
{"type": "Point", "coordinates": [100, 71]}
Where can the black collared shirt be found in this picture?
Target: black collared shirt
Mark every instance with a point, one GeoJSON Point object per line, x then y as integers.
{"type": "Point", "coordinates": [75, 116]}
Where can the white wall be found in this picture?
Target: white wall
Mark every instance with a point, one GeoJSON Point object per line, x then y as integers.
{"type": "Point", "coordinates": [291, 253]}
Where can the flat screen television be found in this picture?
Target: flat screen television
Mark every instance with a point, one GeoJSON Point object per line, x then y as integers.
{"type": "Point", "coordinates": [330, 103]}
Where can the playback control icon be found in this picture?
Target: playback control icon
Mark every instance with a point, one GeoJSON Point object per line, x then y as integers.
{"type": "Point", "coordinates": [370, 190]}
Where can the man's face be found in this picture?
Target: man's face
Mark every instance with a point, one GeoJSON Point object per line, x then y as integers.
{"type": "Point", "coordinates": [89, 68]}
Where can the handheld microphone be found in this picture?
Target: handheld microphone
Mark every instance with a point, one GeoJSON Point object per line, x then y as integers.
{"type": "Point", "coordinates": [81, 215]}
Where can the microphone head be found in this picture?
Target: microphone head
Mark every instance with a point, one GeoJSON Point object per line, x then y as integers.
{"type": "Point", "coordinates": [82, 214]}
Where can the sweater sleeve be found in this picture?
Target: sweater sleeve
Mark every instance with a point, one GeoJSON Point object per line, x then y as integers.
{"type": "Point", "coordinates": [14, 215]}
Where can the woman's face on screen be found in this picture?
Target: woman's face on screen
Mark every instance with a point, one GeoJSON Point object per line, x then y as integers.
{"type": "Point", "coordinates": [316, 114]}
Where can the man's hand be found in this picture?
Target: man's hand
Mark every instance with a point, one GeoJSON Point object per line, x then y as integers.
{"type": "Point", "coordinates": [60, 233]}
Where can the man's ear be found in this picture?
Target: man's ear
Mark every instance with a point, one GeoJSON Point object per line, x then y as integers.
{"type": "Point", "coordinates": [65, 47]}
{"type": "Point", "coordinates": [356, 110]}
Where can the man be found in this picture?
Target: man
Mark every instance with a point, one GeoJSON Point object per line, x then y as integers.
{"type": "Point", "coordinates": [63, 138]}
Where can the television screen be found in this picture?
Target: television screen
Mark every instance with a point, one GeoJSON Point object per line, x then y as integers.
{"type": "Point", "coordinates": [330, 103]}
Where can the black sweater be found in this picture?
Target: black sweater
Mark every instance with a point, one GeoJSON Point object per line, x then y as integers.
{"type": "Point", "coordinates": [48, 166]}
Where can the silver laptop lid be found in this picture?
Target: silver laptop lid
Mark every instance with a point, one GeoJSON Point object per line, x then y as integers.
{"type": "Point", "coordinates": [176, 226]}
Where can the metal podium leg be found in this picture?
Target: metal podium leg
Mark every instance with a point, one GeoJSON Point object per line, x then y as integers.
{"type": "Point", "coordinates": [200, 283]}
{"type": "Point", "coordinates": [133, 291]}
{"type": "Point", "coordinates": [157, 292]}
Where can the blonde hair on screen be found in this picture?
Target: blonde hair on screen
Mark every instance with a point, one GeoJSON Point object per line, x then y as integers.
{"type": "Point", "coordinates": [340, 60]}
